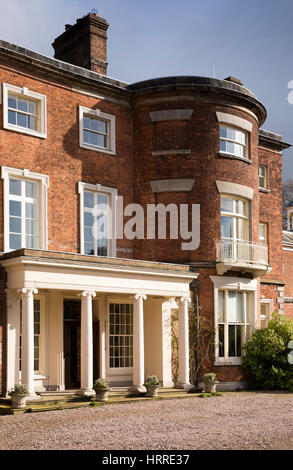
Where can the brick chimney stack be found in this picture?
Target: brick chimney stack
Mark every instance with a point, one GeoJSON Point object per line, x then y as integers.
{"type": "Point", "coordinates": [84, 44]}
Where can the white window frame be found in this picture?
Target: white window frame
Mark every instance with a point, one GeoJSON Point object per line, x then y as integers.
{"type": "Point", "coordinates": [111, 121]}
{"type": "Point", "coordinates": [116, 371]}
{"type": "Point", "coordinates": [264, 241]}
{"type": "Point", "coordinates": [270, 306]}
{"type": "Point", "coordinates": [112, 195]}
{"type": "Point", "coordinates": [43, 181]}
{"type": "Point", "coordinates": [42, 114]}
{"type": "Point", "coordinates": [239, 285]}
{"type": "Point", "coordinates": [265, 177]}
{"type": "Point", "coordinates": [245, 147]}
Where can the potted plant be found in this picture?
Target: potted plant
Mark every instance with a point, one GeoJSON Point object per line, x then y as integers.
{"type": "Point", "coordinates": [102, 387]}
{"type": "Point", "coordinates": [18, 395]}
{"type": "Point", "coordinates": [152, 385]}
{"type": "Point", "coordinates": [210, 382]}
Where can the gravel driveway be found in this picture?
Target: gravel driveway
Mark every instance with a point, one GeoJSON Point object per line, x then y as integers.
{"type": "Point", "coordinates": [244, 420]}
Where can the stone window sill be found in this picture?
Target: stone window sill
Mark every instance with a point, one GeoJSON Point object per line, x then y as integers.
{"type": "Point", "coordinates": [234, 157]}
{"type": "Point", "coordinates": [264, 190]}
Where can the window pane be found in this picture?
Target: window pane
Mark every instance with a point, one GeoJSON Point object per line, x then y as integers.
{"type": "Point", "coordinates": [239, 307]}
{"type": "Point", "coordinates": [88, 235]}
{"type": "Point", "coordinates": [221, 340]}
{"type": "Point", "coordinates": [31, 123]}
{"type": "Point", "coordinates": [93, 138]}
{"type": "Point", "coordinates": [86, 137]}
{"type": "Point", "coordinates": [223, 132]}
{"type": "Point", "coordinates": [226, 227]}
{"type": "Point", "coordinates": [21, 120]}
{"type": "Point", "coordinates": [31, 242]}
{"type": "Point", "coordinates": [103, 127]}
{"type": "Point", "coordinates": [32, 108]}
{"type": "Point", "coordinates": [94, 124]}
{"type": "Point", "coordinates": [22, 105]}
{"type": "Point", "coordinates": [223, 146]}
{"type": "Point", "coordinates": [101, 140]}
{"type": "Point", "coordinates": [231, 307]}
{"type": "Point", "coordinates": [238, 341]}
{"type": "Point", "coordinates": [230, 133]}
{"type": "Point", "coordinates": [88, 219]}
{"type": "Point", "coordinates": [14, 242]}
{"type": "Point", "coordinates": [226, 204]}
{"type": "Point", "coordinates": [12, 117]}
{"type": "Point", "coordinates": [220, 306]}
{"type": "Point", "coordinates": [86, 122]}
{"type": "Point", "coordinates": [15, 224]}
{"type": "Point", "coordinates": [30, 189]}
{"type": "Point", "coordinates": [89, 249]}
{"type": "Point", "coordinates": [14, 187]}
{"type": "Point", "coordinates": [30, 227]}
{"type": "Point", "coordinates": [232, 341]}
{"type": "Point", "coordinates": [11, 102]}
{"type": "Point", "coordinates": [30, 210]}
{"type": "Point", "coordinates": [15, 208]}
{"type": "Point", "coordinates": [88, 199]}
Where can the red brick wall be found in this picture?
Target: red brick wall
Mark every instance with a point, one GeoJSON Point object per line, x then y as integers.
{"type": "Point", "coordinates": [201, 135]}
{"type": "Point", "coordinates": [60, 157]}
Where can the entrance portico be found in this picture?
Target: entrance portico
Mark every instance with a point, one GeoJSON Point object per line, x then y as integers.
{"type": "Point", "coordinates": [125, 319]}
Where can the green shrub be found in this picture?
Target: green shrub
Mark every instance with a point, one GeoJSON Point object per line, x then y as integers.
{"type": "Point", "coordinates": [266, 358]}
{"type": "Point", "coordinates": [101, 384]}
{"type": "Point", "coordinates": [19, 389]}
{"type": "Point", "coordinates": [152, 380]}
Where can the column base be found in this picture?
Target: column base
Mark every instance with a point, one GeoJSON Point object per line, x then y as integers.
{"type": "Point", "coordinates": [183, 386]}
{"type": "Point", "coordinates": [87, 393]}
{"type": "Point", "coordinates": [137, 389]}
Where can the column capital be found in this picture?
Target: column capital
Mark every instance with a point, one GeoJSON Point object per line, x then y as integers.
{"type": "Point", "coordinates": [88, 294]}
{"type": "Point", "coordinates": [27, 291]}
{"type": "Point", "coordinates": [139, 297]}
{"type": "Point", "coordinates": [185, 299]}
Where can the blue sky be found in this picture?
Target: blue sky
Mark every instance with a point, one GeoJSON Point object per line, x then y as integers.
{"type": "Point", "coordinates": [251, 39]}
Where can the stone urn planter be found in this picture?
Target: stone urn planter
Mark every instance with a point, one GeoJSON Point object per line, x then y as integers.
{"type": "Point", "coordinates": [210, 383]}
{"type": "Point", "coordinates": [152, 386]}
{"type": "Point", "coordinates": [102, 387]}
{"type": "Point", "coordinates": [19, 395]}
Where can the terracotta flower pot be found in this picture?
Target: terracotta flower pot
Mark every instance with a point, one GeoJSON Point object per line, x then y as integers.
{"type": "Point", "coordinates": [18, 401]}
{"type": "Point", "coordinates": [152, 390]}
{"type": "Point", "coordinates": [102, 394]}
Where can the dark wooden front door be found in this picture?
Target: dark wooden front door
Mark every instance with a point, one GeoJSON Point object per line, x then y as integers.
{"type": "Point", "coordinates": [72, 313]}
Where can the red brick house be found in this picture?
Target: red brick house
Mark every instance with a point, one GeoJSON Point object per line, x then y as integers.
{"type": "Point", "coordinates": [73, 139]}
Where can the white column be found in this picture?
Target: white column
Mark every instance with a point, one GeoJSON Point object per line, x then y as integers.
{"type": "Point", "coordinates": [27, 340]}
{"type": "Point", "coordinates": [138, 344]}
{"type": "Point", "coordinates": [183, 343]}
{"type": "Point", "coordinates": [86, 355]}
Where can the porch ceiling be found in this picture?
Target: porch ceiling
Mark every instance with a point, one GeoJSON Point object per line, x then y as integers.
{"type": "Point", "coordinates": [75, 272]}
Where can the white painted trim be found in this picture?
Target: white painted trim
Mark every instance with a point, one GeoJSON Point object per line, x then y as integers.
{"type": "Point", "coordinates": [25, 92]}
{"type": "Point", "coordinates": [43, 180]}
{"type": "Point", "coordinates": [111, 150]}
{"type": "Point", "coordinates": [235, 189]}
{"type": "Point", "coordinates": [234, 121]}
{"type": "Point", "coordinates": [112, 194]}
